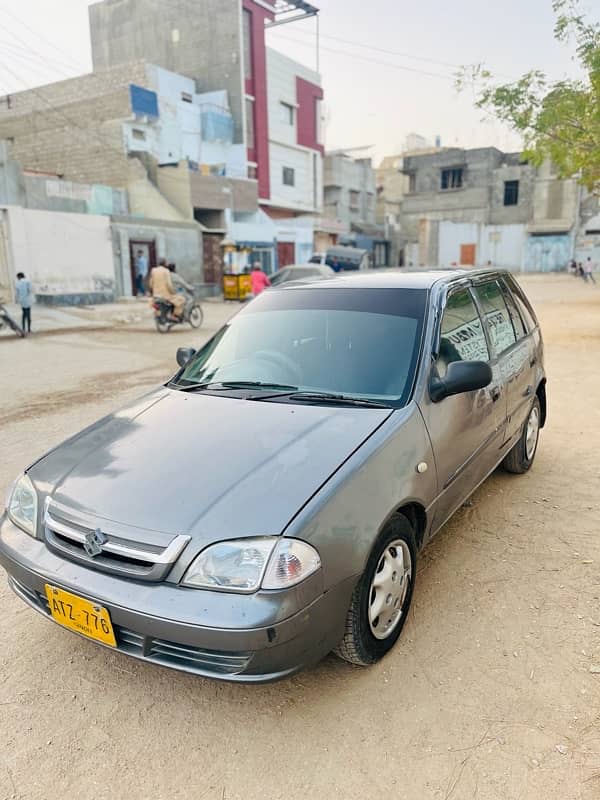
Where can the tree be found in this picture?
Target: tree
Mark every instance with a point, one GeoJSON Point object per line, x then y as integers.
{"type": "Point", "coordinates": [558, 120]}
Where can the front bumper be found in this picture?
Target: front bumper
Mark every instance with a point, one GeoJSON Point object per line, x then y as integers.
{"type": "Point", "coordinates": [169, 625]}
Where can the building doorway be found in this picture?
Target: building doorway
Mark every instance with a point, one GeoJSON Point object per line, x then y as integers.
{"type": "Point", "coordinates": [286, 254]}
{"type": "Point", "coordinates": [148, 248]}
{"type": "Point", "coordinates": [212, 258]}
{"type": "Point", "coordinates": [467, 255]}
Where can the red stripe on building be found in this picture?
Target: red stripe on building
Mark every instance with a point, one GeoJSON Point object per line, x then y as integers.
{"type": "Point", "coordinates": [307, 95]}
{"type": "Point", "coordinates": [257, 87]}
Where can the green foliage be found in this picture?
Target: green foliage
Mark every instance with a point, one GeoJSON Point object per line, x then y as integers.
{"type": "Point", "coordinates": [557, 120]}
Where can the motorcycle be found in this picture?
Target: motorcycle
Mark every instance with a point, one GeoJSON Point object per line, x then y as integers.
{"type": "Point", "coordinates": [163, 313]}
{"type": "Point", "coordinates": [7, 321]}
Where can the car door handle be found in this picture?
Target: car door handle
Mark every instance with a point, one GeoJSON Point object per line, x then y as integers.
{"type": "Point", "coordinates": [496, 394]}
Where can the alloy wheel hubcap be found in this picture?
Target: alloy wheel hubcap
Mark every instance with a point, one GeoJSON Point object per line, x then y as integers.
{"type": "Point", "coordinates": [389, 589]}
{"type": "Point", "coordinates": [533, 429]}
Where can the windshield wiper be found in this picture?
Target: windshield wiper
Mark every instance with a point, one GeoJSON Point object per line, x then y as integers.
{"type": "Point", "coordinates": [337, 399]}
{"type": "Point", "coordinates": [283, 390]}
{"type": "Point", "coordinates": [223, 386]}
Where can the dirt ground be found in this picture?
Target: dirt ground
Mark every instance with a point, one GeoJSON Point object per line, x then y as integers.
{"type": "Point", "coordinates": [492, 692]}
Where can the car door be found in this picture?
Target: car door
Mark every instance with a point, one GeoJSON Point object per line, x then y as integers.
{"type": "Point", "coordinates": [513, 347]}
{"type": "Point", "coordinates": [466, 430]}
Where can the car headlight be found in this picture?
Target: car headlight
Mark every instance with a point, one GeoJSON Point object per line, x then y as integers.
{"type": "Point", "coordinates": [245, 565]}
{"type": "Point", "coordinates": [22, 506]}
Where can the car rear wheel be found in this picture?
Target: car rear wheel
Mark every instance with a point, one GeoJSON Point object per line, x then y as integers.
{"type": "Point", "coordinates": [381, 599]}
{"type": "Point", "coordinates": [521, 457]}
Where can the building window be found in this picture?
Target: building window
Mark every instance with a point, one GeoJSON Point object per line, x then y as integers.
{"type": "Point", "coordinates": [287, 113]}
{"type": "Point", "coordinates": [252, 172]}
{"type": "Point", "coordinates": [289, 176]}
{"type": "Point", "coordinates": [247, 44]}
{"type": "Point", "coordinates": [139, 135]}
{"type": "Point", "coordinates": [370, 201]}
{"type": "Point", "coordinates": [186, 97]}
{"type": "Point", "coordinates": [412, 181]}
{"type": "Point", "coordinates": [249, 123]}
{"type": "Point", "coordinates": [354, 200]}
{"type": "Point", "coordinates": [452, 178]}
{"type": "Point", "coordinates": [511, 193]}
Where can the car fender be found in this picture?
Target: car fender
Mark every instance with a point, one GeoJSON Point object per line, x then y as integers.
{"type": "Point", "coordinates": [393, 468]}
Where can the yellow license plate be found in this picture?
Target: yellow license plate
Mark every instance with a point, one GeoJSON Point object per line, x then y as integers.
{"type": "Point", "coordinates": [80, 615]}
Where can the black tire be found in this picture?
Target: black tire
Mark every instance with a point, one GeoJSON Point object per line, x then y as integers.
{"type": "Point", "coordinates": [162, 326]}
{"type": "Point", "coordinates": [359, 645]}
{"type": "Point", "coordinates": [519, 460]}
{"type": "Point", "coordinates": [196, 316]}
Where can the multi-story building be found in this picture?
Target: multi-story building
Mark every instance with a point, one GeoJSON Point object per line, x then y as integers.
{"type": "Point", "coordinates": [275, 102]}
{"type": "Point", "coordinates": [295, 155]}
{"type": "Point", "coordinates": [349, 188]}
{"type": "Point", "coordinates": [350, 197]}
{"type": "Point", "coordinates": [179, 112]}
{"type": "Point", "coordinates": [76, 241]}
{"type": "Point", "coordinates": [141, 128]}
{"type": "Point", "coordinates": [392, 184]}
{"type": "Point", "coordinates": [476, 206]}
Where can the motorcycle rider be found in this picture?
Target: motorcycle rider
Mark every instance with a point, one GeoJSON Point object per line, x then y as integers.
{"type": "Point", "coordinates": [161, 286]}
{"type": "Point", "coordinates": [179, 282]}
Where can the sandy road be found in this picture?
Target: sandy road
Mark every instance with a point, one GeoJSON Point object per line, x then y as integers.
{"type": "Point", "coordinates": [489, 695]}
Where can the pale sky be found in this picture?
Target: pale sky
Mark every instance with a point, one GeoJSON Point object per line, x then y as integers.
{"type": "Point", "coordinates": [372, 97]}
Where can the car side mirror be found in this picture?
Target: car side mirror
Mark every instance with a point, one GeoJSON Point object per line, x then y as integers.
{"type": "Point", "coordinates": [462, 376]}
{"type": "Point", "coordinates": [185, 354]}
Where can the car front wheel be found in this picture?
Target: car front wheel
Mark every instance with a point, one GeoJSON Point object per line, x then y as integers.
{"type": "Point", "coordinates": [521, 457]}
{"type": "Point", "coordinates": [381, 599]}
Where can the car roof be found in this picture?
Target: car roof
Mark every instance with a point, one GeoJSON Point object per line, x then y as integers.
{"type": "Point", "coordinates": [399, 278]}
{"type": "Point", "coordinates": [304, 266]}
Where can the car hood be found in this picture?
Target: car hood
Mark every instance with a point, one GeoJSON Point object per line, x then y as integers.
{"type": "Point", "coordinates": [203, 465]}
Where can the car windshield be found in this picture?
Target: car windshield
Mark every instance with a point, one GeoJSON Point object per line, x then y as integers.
{"type": "Point", "coordinates": [361, 343]}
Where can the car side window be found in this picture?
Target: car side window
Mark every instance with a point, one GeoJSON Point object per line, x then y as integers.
{"type": "Point", "coordinates": [462, 337]}
{"type": "Point", "coordinates": [515, 315]}
{"type": "Point", "coordinates": [522, 303]}
{"type": "Point", "coordinates": [496, 314]}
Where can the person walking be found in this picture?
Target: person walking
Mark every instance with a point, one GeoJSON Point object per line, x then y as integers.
{"type": "Point", "coordinates": [259, 280]}
{"type": "Point", "coordinates": [141, 272]}
{"type": "Point", "coordinates": [24, 297]}
{"type": "Point", "coordinates": [588, 271]}
{"type": "Point", "coordinates": [572, 268]}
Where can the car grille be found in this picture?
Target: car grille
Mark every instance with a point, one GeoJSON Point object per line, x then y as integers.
{"type": "Point", "coordinates": [158, 651]}
{"type": "Point", "coordinates": [143, 555]}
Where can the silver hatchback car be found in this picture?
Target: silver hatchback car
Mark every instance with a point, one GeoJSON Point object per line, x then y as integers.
{"type": "Point", "coordinates": [268, 504]}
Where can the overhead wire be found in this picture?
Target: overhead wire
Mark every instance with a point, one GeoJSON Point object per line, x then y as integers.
{"type": "Point", "coordinates": [37, 34]}
{"type": "Point", "coordinates": [388, 64]}
{"type": "Point", "coordinates": [35, 62]}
